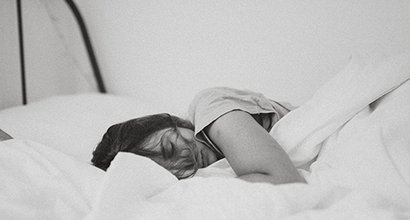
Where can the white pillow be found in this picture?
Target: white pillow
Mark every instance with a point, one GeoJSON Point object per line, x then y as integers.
{"type": "Point", "coordinates": [73, 124]}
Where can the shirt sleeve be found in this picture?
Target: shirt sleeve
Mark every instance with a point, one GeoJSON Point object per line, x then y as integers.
{"type": "Point", "coordinates": [210, 104]}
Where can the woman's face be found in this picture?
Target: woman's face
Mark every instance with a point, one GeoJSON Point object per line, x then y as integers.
{"type": "Point", "coordinates": [204, 156]}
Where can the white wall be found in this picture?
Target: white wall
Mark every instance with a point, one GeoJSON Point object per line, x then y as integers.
{"type": "Point", "coordinates": [9, 75]}
{"type": "Point", "coordinates": [164, 50]}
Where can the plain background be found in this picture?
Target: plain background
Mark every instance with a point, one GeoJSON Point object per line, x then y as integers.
{"type": "Point", "coordinates": [165, 51]}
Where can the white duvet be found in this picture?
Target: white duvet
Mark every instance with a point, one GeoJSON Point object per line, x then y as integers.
{"type": "Point", "coordinates": [356, 129]}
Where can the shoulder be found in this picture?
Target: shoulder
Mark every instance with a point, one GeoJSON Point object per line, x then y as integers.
{"type": "Point", "coordinates": [218, 92]}
{"type": "Point", "coordinates": [214, 98]}
{"type": "Point", "coordinates": [227, 98]}
{"type": "Point", "coordinates": [212, 103]}
{"type": "Point", "coordinates": [217, 96]}
{"type": "Point", "coordinates": [210, 94]}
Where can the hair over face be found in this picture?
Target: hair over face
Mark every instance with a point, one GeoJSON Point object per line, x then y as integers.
{"type": "Point", "coordinates": [134, 136]}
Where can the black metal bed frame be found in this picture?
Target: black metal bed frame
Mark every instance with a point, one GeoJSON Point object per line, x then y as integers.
{"type": "Point", "coordinates": [87, 43]}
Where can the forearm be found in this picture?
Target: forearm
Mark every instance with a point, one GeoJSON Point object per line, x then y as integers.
{"type": "Point", "coordinates": [279, 170]}
{"type": "Point", "coordinates": [278, 179]}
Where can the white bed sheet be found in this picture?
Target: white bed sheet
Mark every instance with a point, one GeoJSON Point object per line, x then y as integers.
{"type": "Point", "coordinates": [38, 182]}
{"type": "Point", "coordinates": [360, 139]}
{"type": "Point", "coordinates": [360, 123]}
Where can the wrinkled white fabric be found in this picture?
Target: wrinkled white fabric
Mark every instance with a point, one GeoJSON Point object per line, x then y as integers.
{"type": "Point", "coordinates": [363, 81]}
{"type": "Point", "coordinates": [358, 132]}
{"type": "Point", "coordinates": [37, 182]}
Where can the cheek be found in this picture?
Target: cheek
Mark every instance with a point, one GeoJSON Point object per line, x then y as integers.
{"type": "Point", "coordinates": [212, 158]}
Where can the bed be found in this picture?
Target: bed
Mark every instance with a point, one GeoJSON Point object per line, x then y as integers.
{"type": "Point", "coordinates": [356, 126]}
{"type": "Point", "coordinates": [350, 140]}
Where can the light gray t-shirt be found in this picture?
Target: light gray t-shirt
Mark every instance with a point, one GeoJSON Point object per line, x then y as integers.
{"type": "Point", "coordinates": [210, 104]}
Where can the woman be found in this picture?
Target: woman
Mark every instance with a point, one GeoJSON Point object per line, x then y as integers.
{"type": "Point", "coordinates": [229, 123]}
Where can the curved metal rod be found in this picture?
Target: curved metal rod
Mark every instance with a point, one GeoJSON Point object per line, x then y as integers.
{"type": "Point", "coordinates": [86, 38]}
{"type": "Point", "coordinates": [21, 48]}
{"type": "Point", "coordinates": [87, 41]}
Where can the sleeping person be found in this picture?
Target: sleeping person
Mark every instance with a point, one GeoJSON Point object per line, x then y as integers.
{"type": "Point", "coordinates": [223, 123]}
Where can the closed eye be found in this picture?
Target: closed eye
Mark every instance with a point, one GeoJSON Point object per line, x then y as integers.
{"type": "Point", "coordinates": [169, 150]}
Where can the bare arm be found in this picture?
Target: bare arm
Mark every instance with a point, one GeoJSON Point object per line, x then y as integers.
{"type": "Point", "coordinates": [253, 154]}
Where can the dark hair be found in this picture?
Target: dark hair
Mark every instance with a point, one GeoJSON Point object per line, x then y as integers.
{"type": "Point", "coordinates": [131, 136]}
